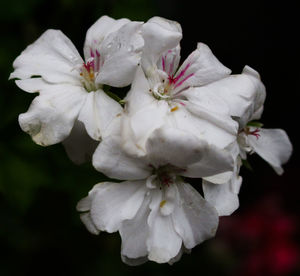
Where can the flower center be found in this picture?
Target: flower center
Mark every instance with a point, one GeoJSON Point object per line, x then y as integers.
{"type": "Point", "coordinates": [89, 71]}
{"type": "Point", "coordinates": [252, 132]}
{"type": "Point", "coordinates": [171, 85]}
{"type": "Point", "coordinates": [165, 175]}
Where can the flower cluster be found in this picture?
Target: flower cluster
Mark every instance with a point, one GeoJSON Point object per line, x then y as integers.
{"type": "Point", "coordinates": [193, 120]}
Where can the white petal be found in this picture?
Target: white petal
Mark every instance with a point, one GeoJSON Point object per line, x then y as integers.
{"type": "Point", "coordinates": [99, 30]}
{"type": "Point", "coordinates": [88, 222]}
{"type": "Point", "coordinates": [179, 255]}
{"type": "Point", "coordinates": [200, 68]}
{"type": "Point", "coordinates": [223, 197]}
{"type": "Point", "coordinates": [169, 61]}
{"type": "Point", "coordinates": [32, 85]}
{"type": "Point", "coordinates": [213, 161]}
{"type": "Point", "coordinates": [207, 116]}
{"type": "Point", "coordinates": [134, 262]}
{"type": "Point", "coordinates": [52, 56]}
{"type": "Point", "coordinates": [169, 201]}
{"type": "Point", "coordinates": [222, 178]}
{"type": "Point", "coordinates": [115, 202]}
{"type": "Point", "coordinates": [79, 145]}
{"type": "Point", "coordinates": [121, 53]}
{"type": "Point", "coordinates": [244, 94]}
{"type": "Point", "coordinates": [273, 145]}
{"type": "Point", "coordinates": [98, 112]}
{"type": "Point", "coordinates": [173, 146]}
{"type": "Point", "coordinates": [138, 97]}
{"type": "Point", "coordinates": [159, 35]}
{"type": "Point", "coordinates": [163, 242]}
{"type": "Point", "coordinates": [195, 220]}
{"type": "Point", "coordinates": [84, 205]}
{"type": "Point", "coordinates": [143, 114]}
{"type": "Point", "coordinates": [110, 159]}
{"type": "Point", "coordinates": [51, 116]}
{"type": "Point", "coordinates": [134, 233]}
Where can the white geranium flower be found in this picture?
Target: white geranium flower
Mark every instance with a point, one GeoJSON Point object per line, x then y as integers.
{"type": "Point", "coordinates": [162, 93]}
{"type": "Point", "coordinates": [157, 214]}
{"type": "Point", "coordinates": [245, 95]}
{"type": "Point", "coordinates": [70, 89]}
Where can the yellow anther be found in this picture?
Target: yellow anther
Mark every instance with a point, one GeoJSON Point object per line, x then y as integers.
{"type": "Point", "coordinates": [162, 203]}
{"type": "Point", "coordinates": [91, 75]}
{"type": "Point", "coordinates": [174, 108]}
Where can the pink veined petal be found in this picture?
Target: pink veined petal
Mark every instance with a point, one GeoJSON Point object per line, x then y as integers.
{"type": "Point", "coordinates": [98, 31]}
{"type": "Point", "coordinates": [200, 68]}
{"type": "Point", "coordinates": [169, 61]}
{"type": "Point", "coordinates": [159, 35]}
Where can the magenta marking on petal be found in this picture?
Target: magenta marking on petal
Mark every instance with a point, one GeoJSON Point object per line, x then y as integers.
{"type": "Point", "coordinates": [171, 66]}
{"type": "Point", "coordinates": [92, 52]}
{"type": "Point", "coordinates": [98, 58]}
{"type": "Point", "coordinates": [183, 104]}
{"type": "Point", "coordinates": [181, 82]}
{"type": "Point", "coordinates": [163, 63]}
{"type": "Point", "coordinates": [181, 74]}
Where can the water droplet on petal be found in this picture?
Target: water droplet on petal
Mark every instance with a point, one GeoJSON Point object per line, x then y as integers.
{"type": "Point", "coordinates": [130, 48]}
{"type": "Point", "coordinates": [109, 45]}
{"type": "Point", "coordinates": [119, 45]}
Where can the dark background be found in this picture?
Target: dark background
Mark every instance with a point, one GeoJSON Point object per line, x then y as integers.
{"type": "Point", "coordinates": [40, 230]}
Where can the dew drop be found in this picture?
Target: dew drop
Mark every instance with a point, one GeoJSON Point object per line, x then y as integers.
{"type": "Point", "coordinates": [109, 45]}
{"type": "Point", "coordinates": [130, 48]}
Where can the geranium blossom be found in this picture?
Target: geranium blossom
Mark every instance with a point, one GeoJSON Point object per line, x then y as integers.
{"type": "Point", "coordinates": [71, 90]}
{"type": "Point", "coordinates": [162, 93]}
{"type": "Point", "coordinates": [273, 145]}
{"type": "Point", "coordinates": [194, 120]}
{"type": "Point", "coordinates": [156, 212]}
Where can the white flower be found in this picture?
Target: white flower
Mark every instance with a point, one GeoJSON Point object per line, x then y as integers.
{"type": "Point", "coordinates": [71, 89]}
{"type": "Point", "coordinates": [245, 95]}
{"type": "Point", "coordinates": [163, 94]}
{"type": "Point", "coordinates": [157, 214]}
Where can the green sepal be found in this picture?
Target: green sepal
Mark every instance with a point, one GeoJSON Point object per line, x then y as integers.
{"type": "Point", "coordinates": [247, 165]}
{"type": "Point", "coordinates": [115, 97]}
{"type": "Point", "coordinates": [255, 124]}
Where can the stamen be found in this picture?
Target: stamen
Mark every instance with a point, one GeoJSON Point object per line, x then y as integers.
{"type": "Point", "coordinates": [174, 108]}
{"type": "Point", "coordinates": [253, 132]}
{"type": "Point", "coordinates": [162, 203]}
